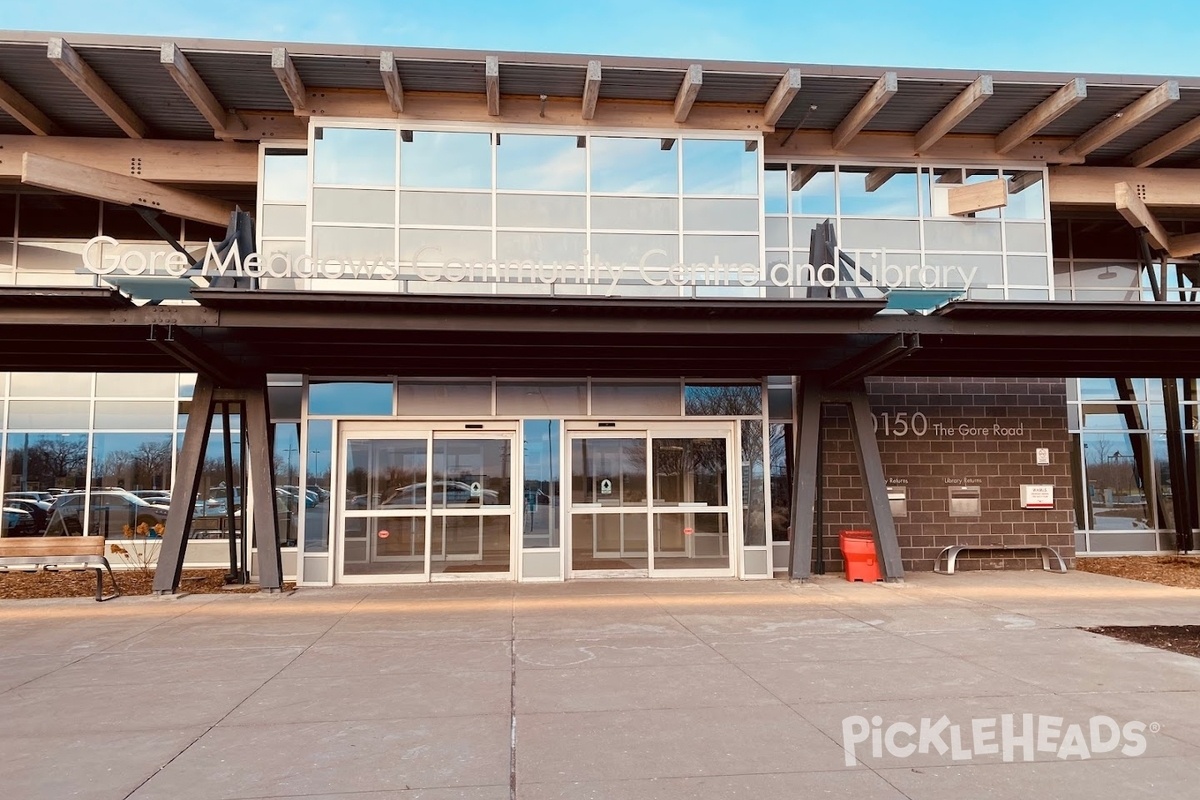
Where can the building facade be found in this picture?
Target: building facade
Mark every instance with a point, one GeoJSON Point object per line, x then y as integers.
{"type": "Point", "coordinates": [538, 318]}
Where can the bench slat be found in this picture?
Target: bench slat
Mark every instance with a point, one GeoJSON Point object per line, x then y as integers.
{"type": "Point", "coordinates": [52, 546]}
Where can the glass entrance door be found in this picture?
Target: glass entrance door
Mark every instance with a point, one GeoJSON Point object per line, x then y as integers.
{"type": "Point", "coordinates": [419, 505]}
{"type": "Point", "coordinates": [651, 502]}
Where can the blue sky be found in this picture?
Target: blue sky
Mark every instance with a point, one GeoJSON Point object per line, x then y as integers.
{"type": "Point", "coordinates": [1148, 37]}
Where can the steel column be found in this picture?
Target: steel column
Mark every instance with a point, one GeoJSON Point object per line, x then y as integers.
{"type": "Point", "coordinates": [183, 492]}
{"type": "Point", "coordinates": [256, 435]}
{"type": "Point", "coordinates": [875, 485]}
{"type": "Point", "coordinates": [1180, 491]}
{"type": "Point", "coordinates": [805, 476]}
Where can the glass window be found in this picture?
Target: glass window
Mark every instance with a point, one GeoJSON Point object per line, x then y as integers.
{"type": "Point", "coordinates": [350, 398]}
{"type": "Point", "coordinates": [813, 190]}
{"type": "Point", "coordinates": [754, 502]}
{"type": "Point", "coordinates": [1026, 195]}
{"type": "Point", "coordinates": [878, 191]}
{"type": "Point", "coordinates": [285, 176]}
{"type": "Point", "coordinates": [541, 163]}
{"type": "Point", "coordinates": [361, 206]}
{"type": "Point", "coordinates": [775, 188]}
{"type": "Point", "coordinates": [43, 414]}
{"type": "Point", "coordinates": [318, 463]}
{"type": "Point", "coordinates": [434, 160]}
{"type": "Point", "coordinates": [714, 166]}
{"type": "Point", "coordinates": [291, 503]}
{"type": "Point", "coordinates": [285, 401]}
{"type": "Point", "coordinates": [8, 214]}
{"type": "Point", "coordinates": [353, 243]}
{"type": "Point", "coordinates": [40, 461]}
{"type": "Point", "coordinates": [445, 208]}
{"type": "Point", "coordinates": [135, 415]}
{"type": "Point", "coordinates": [635, 213]}
{"type": "Point", "coordinates": [726, 401]}
{"type": "Point", "coordinates": [1116, 496]}
{"type": "Point", "coordinates": [781, 481]}
{"type": "Point", "coordinates": [540, 211]}
{"type": "Point", "coordinates": [134, 384]}
{"type": "Point", "coordinates": [354, 157]}
{"type": "Point", "coordinates": [623, 165]}
{"type": "Point", "coordinates": [127, 225]}
{"type": "Point", "coordinates": [58, 216]}
{"type": "Point", "coordinates": [542, 491]}
{"type": "Point", "coordinates": [132, 461]}
{"type": "Point", "coordinates": [983, 176]}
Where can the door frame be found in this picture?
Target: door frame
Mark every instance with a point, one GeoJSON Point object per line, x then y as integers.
{"type": "Point", "coordinates": [430, 431]}
{"type": "Point", "coordinates": [729, 430]}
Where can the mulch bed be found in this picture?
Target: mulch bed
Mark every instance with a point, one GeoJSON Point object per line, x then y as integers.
{"type": "Point", "coordinates": [82, 583]}
{"type": "Point", "coordinates": [1178, 571]}
{"type": "Point", "coordinates": [1176, 638]}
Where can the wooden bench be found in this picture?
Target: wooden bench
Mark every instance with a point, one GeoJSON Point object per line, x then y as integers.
{"type": "Point", "coordinates": [952, 553]}
{"type": "Point", "coordinates": [59, 552]}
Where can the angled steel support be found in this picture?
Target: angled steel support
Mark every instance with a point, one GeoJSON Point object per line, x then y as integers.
{"type": "Point", "coordinates": [183, 492]}
{"type": "Point", "coordinates": [1180, 491]}
{"type": "Point", "coordinates": [805, 477]}
{"type": "Point", "coordinates": [195, 356]}
{"type": "Point", "coordinates": [875, 485]}
{"type": "Point", "coordinates": [874, 358]}
{"type": "Point", "coordinates": [259, 467]}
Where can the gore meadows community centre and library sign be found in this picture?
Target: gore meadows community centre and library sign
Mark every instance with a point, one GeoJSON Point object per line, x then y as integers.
{"type": "Point", "coordinates": [104, 255]}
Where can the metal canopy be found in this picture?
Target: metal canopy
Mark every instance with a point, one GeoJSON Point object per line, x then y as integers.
{"type": "Point", "coordinates": [252, 332]}
{"type": "Point", "coordinates": [240, 76]}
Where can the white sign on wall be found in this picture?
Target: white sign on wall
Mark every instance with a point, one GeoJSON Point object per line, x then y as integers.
{"type": "Point", "coordinates": [1037, 495]}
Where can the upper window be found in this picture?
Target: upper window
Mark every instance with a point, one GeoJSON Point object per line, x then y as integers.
{"type": "Point", "coordinates": [436, 160]}
{"type": "Point", "coordinates": [354, 157]}
{"type": "Point", "coordinates": [622, 165]}
{"type": "Point", "coordinates": [540, 163]}
{"type": "Point", "coordinates": [879, 191]}
{"type": "Point", "coordinates": [716, 166]}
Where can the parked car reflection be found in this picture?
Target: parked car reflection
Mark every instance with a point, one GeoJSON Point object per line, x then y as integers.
{"type": "Point", "coordinates": [446, 494]}
{"type": "Point", "coordinates": [115, 513]}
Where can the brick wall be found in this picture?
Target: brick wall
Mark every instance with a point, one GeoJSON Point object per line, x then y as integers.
{"type": "Point", "coordinates": [980, 433]}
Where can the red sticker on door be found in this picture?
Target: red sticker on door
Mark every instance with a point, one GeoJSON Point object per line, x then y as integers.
{"type": "Point", "coordinates": [383, 534]}
{"type": "Point", "coordinates": [688, 531]}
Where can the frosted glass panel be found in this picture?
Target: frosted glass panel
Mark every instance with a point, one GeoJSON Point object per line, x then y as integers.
{"type": "Point", "coordinates": [633, 166]}
{"type": "Point", "coordinates": [1028, 270]}
{"type": "Point", "coordinates": [721, 215]}
{"type": "Point", "coordinates": [541, 248]}
{"type": "Point", "coordinates": [541, 163]}
{"type": "Point", "coordinates": [343, 243]}
{"type": "Point", "coordinates": [51, 384]}
{"type": "Point", "coordinates": [437, 160]}
{"type": "Point", "coordinates": [1029, 237]}
{"type": "Point", "coordinates": [127, 415]}
{"type": "Point", "coordinates": [284, 220]}
{"type": "Point", "coordinates": [445, 398]}
{"type": "Point", "coordinates": [441, 245]}
{"type": "Point", "coordinates": [445, 208]}
{"type": "Point", "coordinates": [633, 213]}
{"type": "Point", "coordinates": [540, 211]}
{"type": "Point", "coordinates": [354, 157]}
{"type": "Point", "coordinates": [621, 399]}
{"type": "Point", "coordinates": [729, 249]}
{"type": "Point", "coordinates": [121, 384]}
{"type": "Point", "coordinates": [541, 398]}
{"type": "Point", "coordinates": [777, 232]}
{"type": "Point", "coordinates": [989, 270]}
{"type": "Point", "coordinates": [363, 206]}
{"type": "Point", "coordinates": [632, 248]}
{"type": "Point", "coordinates": [962, 236]}
{"type": "Point", "coordinates": [892, 234]}
{"type": "Point", "coordinates": [48, 414]}
{"type": "Point", "coordinates": [712, 166]}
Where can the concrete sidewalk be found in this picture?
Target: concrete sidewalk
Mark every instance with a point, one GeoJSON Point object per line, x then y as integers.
{"type": "Point", "coordinates": [629, 689]}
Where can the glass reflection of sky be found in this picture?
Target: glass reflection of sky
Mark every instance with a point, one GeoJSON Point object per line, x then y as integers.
{"type": "Point", "coordinates": [350, 398]}
{"type": "Point", "coordinates": [816, 196]}
{"type": "Point", "coordinates": [775, 189]}
{"type": "Point", "coordinates": [541, 163]}
{"type": "Point", "coordinates": [712, 166]}
{"type": "Point", "coordinates": [355, 157]}
{"type": "Point", "coordinates": [285, 178]}
{"type": "Point", "coordinates": [897, 197]}
{"type": "Point", "coordinates": [633, 166]}
{"type": "Point", "coordinates": [434, 160]}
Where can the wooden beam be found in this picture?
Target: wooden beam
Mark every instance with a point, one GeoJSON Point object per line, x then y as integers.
{"type": "Point", "coordinates": [1067, 97]}
{"type": "Point", "coordinates": [177, 65]}
{"type": "Point", "coordinates": [693, 79]}
{"type": "Point", "coordinates": [80, 179]}
{"type": "Point", "coordinates": [1167, 144]}
{"type": "Point", "coordinates": [802, 174]}
{"type": "Point", "coordinates": [63, 56]}
{"type": "Point", "coordinates": [1184, 246]}
{"type": "Point", "coordinates": [898, 148]}
{"type": "Point", "coordinates": [879, 176]}
{"type": "Point", "coordinates": [155, 160]}
{"type": "Point", "coordinates": [591, 90]}
{"type": "Point", "coordinates": [16, 106]}
{"type": "Point", "coordinates": [391, 80]}
{"type": "Point", "coordinates": [1131, 207]}
{"type": "Point", "coordinates": [952, 176]}
{"type": "Point", "coordinates": [491, 78]}
{"type": "Point", "coordinates": [290, 80]}
{"type": "Point", "coordinates": [866, 108]}
{"type": "Point", "coordinates": [973, 197]}
{"type": "Point", "coordinates": [1093, 186]}
{"type": "Point", "coordinates": [955, 112]}
{"type": "Point", "coordinates": [781, 98]}
{"type": "Point", "coordinates": [1126, 120]}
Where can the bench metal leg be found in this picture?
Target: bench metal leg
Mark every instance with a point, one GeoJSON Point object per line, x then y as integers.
{"type": "Point", "coordinates": [1046, 553]}
{"type": "Point", "coordinates": [100, 597]}
{"type": "Point", "coordinates": [951, 555]}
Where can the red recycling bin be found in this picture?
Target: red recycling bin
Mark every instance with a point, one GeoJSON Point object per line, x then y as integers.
{"type": "Point", "coordinates": [858, 551]}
